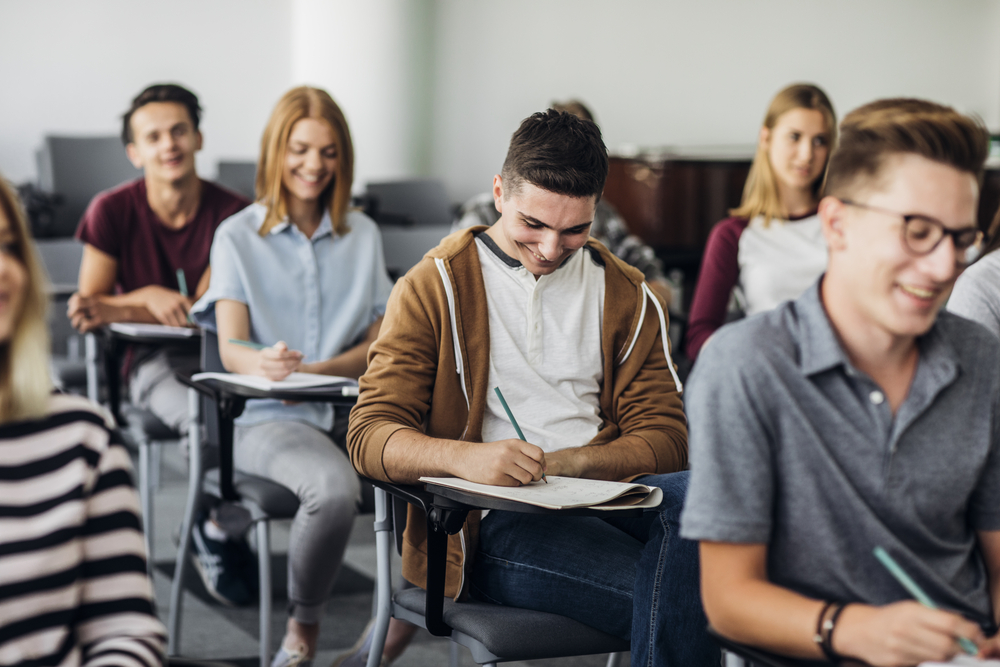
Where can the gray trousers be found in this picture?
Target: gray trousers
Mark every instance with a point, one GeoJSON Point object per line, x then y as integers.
{"type": "Point", "coordinates": [154, 386]}
{"type": "Point", "coordinates": [307, 461]}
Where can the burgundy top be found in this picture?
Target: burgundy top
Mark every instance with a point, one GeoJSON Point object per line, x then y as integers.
{"type": "Point", "coordinates": [120, 223]}
{"type": "Point", "coordinates": [720, 270]}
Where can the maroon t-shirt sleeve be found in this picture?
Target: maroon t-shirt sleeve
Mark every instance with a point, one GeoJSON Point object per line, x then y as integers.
{"type": "Point", "coordinates": [100, 225]}
{"type": "Point", "coordinates": [720, 270]}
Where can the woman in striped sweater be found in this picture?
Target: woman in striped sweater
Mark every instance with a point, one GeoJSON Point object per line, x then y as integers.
{"type": "Point", "coordinates": [73, 584]}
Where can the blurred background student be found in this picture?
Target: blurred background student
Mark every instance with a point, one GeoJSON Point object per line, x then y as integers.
{"type": "Point", "coordinates": [138, 237]}
{"type": "Point", "coordinates": [301, 273]}
{"type": "Point", "coordinates": [73, 584]}
{"type": "Point", "coordinates": [977, 291]}
{"type": "Point", "coordinates": [771, 249]}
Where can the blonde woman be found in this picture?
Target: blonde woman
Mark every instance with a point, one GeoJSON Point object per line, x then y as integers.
{"type": "Point", "coordinates": [299, 272]}
{"type": "Point", "coordinates": [772, 248]}
{"type": "Point", "coordinates": [73, 585]}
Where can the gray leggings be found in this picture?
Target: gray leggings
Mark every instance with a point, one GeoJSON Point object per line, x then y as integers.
{"type": "Point", "coordinates": [308, 462]}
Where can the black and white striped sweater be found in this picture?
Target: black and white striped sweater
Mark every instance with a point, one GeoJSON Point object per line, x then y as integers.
{"type": "Point", "coordinates": [73, 584]}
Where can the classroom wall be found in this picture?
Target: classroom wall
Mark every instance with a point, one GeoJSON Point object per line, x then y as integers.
{"type": "Point", "coordinates": [375, 59]}
{"type": "Point", "coordinates": [435, 87]}
{"type": "Point", "coordinates": [675, 72]}
{"type": "Point", "coordinates": [73, 67]}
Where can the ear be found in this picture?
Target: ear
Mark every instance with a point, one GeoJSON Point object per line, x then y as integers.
{"type": "Point", "coordinates": [133, 155]}
{"type": "Point", "coordinates": [197, 140]}
{"type": "Point", "coordinates": [764, 136]}
{"type": "Point", "coordinates": [833, 218]}
{"type": "Point", "coordinates": [498, 193]}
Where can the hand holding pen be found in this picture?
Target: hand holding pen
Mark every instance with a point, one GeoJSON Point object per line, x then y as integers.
{"type": "Point", "coordinates": [276, 362]}
{"type": "Point", "coordinates": [513, 421]}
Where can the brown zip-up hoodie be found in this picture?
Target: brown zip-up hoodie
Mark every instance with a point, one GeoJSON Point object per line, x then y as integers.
{"type": "Point", "coordinates": [413, 379]}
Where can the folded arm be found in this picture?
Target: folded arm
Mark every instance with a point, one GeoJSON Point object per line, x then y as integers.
{"type": "Point", "coordinates": [95, 304]}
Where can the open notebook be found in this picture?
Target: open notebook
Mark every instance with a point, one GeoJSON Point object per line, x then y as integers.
{"type": "Point", "coordinates": [301, 382]}
{"type": "Point", "coordinates": [564, 493]}
{"type": "Point", "coordinates": [963, 660]}
{"type": "Point", "coordinates": [153, 330]}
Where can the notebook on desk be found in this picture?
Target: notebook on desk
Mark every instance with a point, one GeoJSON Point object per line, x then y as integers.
{"type": "Point", "coordinates": [564, 493]}
{"type": "Point", "coordinates": [303, 382]}
{"type": "Point", "coordinates": [962, 659]}
{"type": "Point", "coordinates": [153, 330]}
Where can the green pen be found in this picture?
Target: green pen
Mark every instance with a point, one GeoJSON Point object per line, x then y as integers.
{"type": "Point", "coordinates": [510, 415]}
{"type": "Point", "coordinates": [182, 287]}
{"type": "Point", "coordinates": [248, 343]}
{"type": "Point", "coordinates": [900, 575]}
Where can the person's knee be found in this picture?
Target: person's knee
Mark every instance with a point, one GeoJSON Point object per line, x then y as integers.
{"type": "Point", "coordinates": [333, 493]}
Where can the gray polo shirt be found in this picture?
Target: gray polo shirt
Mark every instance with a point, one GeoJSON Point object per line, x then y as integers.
{"type": "Point", "coordinates": [793, 447]}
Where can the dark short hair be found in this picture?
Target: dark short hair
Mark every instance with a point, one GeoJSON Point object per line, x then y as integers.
{"type": "Point", "coordinates": [558, 152]}
{"type": "Point", "coordinates": [161, 92]}
{"type": "Point", "coordinates": [875, 132]}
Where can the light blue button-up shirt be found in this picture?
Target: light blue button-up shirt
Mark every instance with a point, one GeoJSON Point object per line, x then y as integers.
{"type": "Point", "coordinates": [317, 294]}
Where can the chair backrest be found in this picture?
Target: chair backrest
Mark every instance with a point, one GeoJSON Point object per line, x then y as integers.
{"type": "Point", "coordinates": [238, 176]}
{"type": "Point", "coordinates": [78, 168]}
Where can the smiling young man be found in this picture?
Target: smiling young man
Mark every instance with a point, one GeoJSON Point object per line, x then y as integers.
{"type": "Point", "coordinates": [137, 237]}
{"type": "Point", "coordinates": [577, 342]}
{"type": "Point", "coordinates": [859, 416]}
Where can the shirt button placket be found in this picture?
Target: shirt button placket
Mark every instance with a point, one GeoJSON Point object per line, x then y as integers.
{"type": "Point", "coordinates": [312, 301]}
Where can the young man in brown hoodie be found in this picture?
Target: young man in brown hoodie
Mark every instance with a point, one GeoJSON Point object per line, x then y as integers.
{"type": "Point", "coordinates": [577, 342]}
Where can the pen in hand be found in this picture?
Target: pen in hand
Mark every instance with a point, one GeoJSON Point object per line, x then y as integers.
{"type": "Point", "coordinates": [248, 343]}
{"type": "Point", "coordinates": [900, 575]}
{"type": "Point", "coordinates": [182, 287]}
{"type": "Point", "coordinates": [510, 415]}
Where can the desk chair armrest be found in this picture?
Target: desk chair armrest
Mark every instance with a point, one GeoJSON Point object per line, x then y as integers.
{"type": "Point", "coordinates": [759, 657]}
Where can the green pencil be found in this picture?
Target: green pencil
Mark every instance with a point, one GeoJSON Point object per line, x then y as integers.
{"type": "Point", "coordinates": [510, 415]}
{"type": "Point", "coordinates": [182, 285]}
{"type": "Point", "coordinates": [248, 343]}
{"type": "Point", "coordinates": [900, 575]}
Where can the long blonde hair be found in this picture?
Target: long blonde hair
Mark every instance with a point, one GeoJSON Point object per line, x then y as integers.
{"type": "Point", "coordinates": [760, 194]}
{"type": "Point", "coordinates": [25, 383]}
{"type": "Point", "coordinates": [296, 104]}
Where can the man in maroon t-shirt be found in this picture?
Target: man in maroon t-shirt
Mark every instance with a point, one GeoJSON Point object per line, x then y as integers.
{"type": "Point", "coordinates": [139, 238]}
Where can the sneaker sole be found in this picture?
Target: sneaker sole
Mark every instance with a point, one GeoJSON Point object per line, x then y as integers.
{"type": "Point", "coordinates": [207, 583]}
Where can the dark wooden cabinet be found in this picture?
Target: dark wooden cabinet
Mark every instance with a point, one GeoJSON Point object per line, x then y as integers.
{"type": "Point", "coordinates": [671, 202]}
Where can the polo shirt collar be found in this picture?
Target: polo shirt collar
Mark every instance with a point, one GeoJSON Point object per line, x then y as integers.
{"type": "Point", "coordinates": [821, 349]}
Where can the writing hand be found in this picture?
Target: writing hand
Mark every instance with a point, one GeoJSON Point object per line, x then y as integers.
{"type": "Point", "coordinates": [166, 305]}
{"type": "Point", "coordinates": [278, 362]}
{"type": "Point", "coordinates": [903, 633]}
{"type": "Point", "coordinates": [502, 463]}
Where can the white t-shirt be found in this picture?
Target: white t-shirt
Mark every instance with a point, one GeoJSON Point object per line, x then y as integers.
{"type": "Point", "coordinates": [778, 262]}
{"type": "Point", "coordinates": [545, 348]}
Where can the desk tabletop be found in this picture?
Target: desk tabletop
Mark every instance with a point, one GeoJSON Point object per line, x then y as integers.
{"type": "Point", "coordinates": [334, 395]}
{"type": "Point", "coordinates": [479, 501]}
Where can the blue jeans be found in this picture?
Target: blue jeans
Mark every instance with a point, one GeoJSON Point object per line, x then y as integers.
{"type": "Point", "coordinates": [633, 578]}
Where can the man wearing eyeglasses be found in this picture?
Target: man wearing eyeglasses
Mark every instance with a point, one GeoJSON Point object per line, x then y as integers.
{"type": "Point", "coordinates": [860, 416]}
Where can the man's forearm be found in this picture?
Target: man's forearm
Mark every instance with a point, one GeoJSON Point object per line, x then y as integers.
{"type": "Point", "coordinates": [125, 308]}
{"type": "Point", "coordinates": [627, 456]}
{"type": "Point", "coordinates": [410, 454]}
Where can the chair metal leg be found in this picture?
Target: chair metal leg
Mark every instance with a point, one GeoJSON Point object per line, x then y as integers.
{"type": "Point", "coordinates": [264, 565]}
{"type": "Point", "coordinates": [146, 501]}
{"type": "Point", "coordinates": [383, 583]}
{"type": "Point", "coordinates": [155, 461]}
{"type": "Point", "coordinates": [195, 474]}
{"type": "Point", "coordinates": [90, 346]}
{"type": "Point", "coordinates": [614, 659]}
{"type": "Point", "coordinates": [453, 654]}
{"type": "Point", "coordinates": [730, 659]}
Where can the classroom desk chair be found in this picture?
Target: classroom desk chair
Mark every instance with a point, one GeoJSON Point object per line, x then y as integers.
{"type": "Point", "coordinates": [264, 499]}
{"type": "Point", "coordinates": [741, 655]}
{"type": "Point", "coordinates": [493, 633]}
